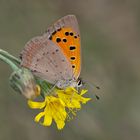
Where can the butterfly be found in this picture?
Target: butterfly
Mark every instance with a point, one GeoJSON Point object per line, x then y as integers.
{"type": "Point", "coordinates": [55, 56]}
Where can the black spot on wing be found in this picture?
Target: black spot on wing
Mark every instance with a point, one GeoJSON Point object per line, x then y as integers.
{"type": "Point", "coordinates": [64, 40]}
{"type": "Point", "coordinates": [73, 66]}
{"type": "Point", "coordinates": [71, 33]}
{"type": "Point", "coordinates": [72, 47]}
{"type": "Point", "coordinates": [59, 29]}
{"type": "Point", "coordinates": [66, 33]}
{"type": "Point", "coordinates": [58, 40]}
{"type": "Point", "coordinates": [54, 33]}
{"type": "Point", "coordinates": [56, 50]}
{"type": "Point", "coordinates": [72, 58]}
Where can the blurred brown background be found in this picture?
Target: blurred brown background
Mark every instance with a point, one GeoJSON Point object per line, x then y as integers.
{"type": "Point", "coordinates": [110, 31]}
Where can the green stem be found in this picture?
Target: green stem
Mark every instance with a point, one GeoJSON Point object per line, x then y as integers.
{"type": "Point", "coordinates": [9, 56]}
{"type": "Point", "coordinates": [9, 62]}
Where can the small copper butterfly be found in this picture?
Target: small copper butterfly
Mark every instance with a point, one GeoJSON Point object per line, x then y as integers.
{"type": "Point", "coordinates": [55, 56]}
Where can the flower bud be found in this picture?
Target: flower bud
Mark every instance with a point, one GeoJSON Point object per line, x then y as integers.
{"type": "Point", "coordinates": [23, 82]}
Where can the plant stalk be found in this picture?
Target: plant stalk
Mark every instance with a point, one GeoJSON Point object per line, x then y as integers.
{"type": "Point", "coordinates": [9, 56]}
{"type": "Point", "coordinates": [9, 62]}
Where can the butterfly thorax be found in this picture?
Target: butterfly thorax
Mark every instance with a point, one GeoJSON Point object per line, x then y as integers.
{"type": "Point", "coordinates": [65, 83]}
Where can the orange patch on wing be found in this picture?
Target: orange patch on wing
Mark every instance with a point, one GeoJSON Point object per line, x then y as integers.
{"type": "Point", "coordinates": [69, 42]}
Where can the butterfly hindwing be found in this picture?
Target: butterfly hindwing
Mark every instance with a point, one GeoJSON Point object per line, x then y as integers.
{"type": "Point", "coordinates": [46, 60]}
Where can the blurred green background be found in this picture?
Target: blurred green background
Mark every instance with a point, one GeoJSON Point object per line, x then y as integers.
{"type": "Point", "coordinates": [110, 31]}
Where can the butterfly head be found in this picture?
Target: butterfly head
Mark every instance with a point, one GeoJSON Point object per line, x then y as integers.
{"type": "Point", "coordinates": [69, 82]}
{"type": "Point", "coordinates": [80, 82]}
{"type": "Point", "coordinates": [63, 83]}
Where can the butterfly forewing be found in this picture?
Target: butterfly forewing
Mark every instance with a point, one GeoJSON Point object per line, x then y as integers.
{"type": "Point", "coordinates": [65, 34]}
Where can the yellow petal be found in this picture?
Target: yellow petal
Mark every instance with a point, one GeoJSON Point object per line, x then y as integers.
{"type": "Point", "coordinates": [36, 105]}
{"type": "Point", "coordinates": [62, 103]}
{"type": "Point", "coordinates": [47, 120]}
{"type": "Point", "coordinates": [73, 104]}
{"type": "Point", "coordinates": [83, 92]}
{"type": "Point", "coordinates": [60, 116]}
{"type": "Point", "coordinates": [69, 90]}
{"type": "Point", "coordinates": [85, 100]}
{"type": "Point", "coordinates": [39, 116]}
{"type": "Point", "coordinates": [60, 124]}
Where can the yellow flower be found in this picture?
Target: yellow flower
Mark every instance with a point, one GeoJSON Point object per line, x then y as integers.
{"type": "Point", "coordinates": [55, 106]}
{"type": "Point", "coordinates": [72, 98]}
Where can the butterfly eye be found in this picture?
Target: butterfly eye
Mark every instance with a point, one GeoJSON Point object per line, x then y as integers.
{"type": "Point", "coordinates": [79, 83]}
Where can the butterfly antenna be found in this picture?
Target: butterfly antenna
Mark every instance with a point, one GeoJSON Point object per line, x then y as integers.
{"type": "Point", "coordinates": [93, 86]}
{"type": "Point", "coordinates": [97, 97]}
